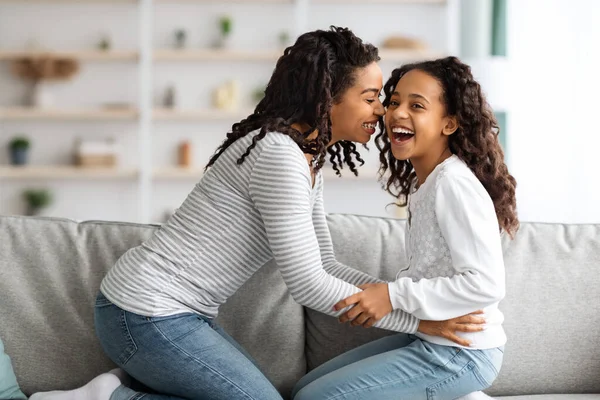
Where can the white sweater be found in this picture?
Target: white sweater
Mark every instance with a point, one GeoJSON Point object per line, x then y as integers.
{"type": "Point", "coordinates": [455, 255]}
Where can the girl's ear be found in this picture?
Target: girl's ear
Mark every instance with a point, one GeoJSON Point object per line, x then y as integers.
{"type": "Point", "coordinates": [451, 126]}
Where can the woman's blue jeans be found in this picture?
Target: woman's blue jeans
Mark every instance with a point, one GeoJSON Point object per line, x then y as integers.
{"type": "Point", "coordinates": [184, 356]}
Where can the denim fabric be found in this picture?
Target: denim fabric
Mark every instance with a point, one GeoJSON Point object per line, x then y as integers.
{"type": "Point", "coordinates": [175, 357]}
{"type": "Point", "coordinates": [401, 367]}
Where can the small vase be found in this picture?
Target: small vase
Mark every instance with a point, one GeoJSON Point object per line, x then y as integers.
{"type": "Point", "coordinates": [41, 96]}
{"type": "Point", "coordinates": [225, 42]}
{"type": "Point", "coordinates": [33, 211]}
{"type": "Point", "coordinates": [18, 156]}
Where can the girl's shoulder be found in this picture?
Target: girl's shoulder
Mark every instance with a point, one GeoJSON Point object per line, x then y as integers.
{"type": "Point", "coordinates": [456, 176]}
{"type": "Point", "coordinates": [454, 168]}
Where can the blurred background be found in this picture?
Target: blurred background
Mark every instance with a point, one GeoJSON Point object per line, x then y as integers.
{"type": "Point", "coordinates": [110, 109]}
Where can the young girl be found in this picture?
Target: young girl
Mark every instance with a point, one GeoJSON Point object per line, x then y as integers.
{"type": "Point", "coordinates": [261, 198]}
{"type": "Point", "coordinates": [441, 147]}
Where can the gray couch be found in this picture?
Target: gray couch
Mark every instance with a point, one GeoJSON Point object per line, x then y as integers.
{"type": "Point", "coordinates": [50, 271]}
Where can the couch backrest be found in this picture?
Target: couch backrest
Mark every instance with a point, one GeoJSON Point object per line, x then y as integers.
{"type": "Point", "coordinates": [552, 306]}
{"type": "Point", "coordinates": [50, 272]}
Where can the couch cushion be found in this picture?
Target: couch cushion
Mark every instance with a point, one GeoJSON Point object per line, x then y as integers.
{"type": "Point", "coordinates": [552, 311]}
{"type": "Point", "coordinates": [50, 272]}
{"type": "Point", "coordinates": [552, 306]}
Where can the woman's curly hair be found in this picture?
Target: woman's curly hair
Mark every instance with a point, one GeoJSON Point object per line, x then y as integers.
{"type": "Point", "coordinates": [475, 141]}
{"type": "Point", "coordinates": [309, 78]}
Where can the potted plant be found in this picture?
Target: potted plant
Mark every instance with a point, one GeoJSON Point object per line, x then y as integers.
{"type": "Point", "coordinates": [19, 148]}
{"type": "Point", "coordinates": [284, 39]}
{"type": "Point", "coordinates": [258, 94]}
{"type": "Point", "coordinates": [104, 44]}
{"type": "Point", "coordinates": [226, 25]}
{"type": "Point", "coordinates": [37, 200]}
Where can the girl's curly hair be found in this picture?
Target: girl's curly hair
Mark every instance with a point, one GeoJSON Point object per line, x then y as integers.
{"type": "Point", "coordinates": [309, 78]}
{"type": "Point", "coordinates": [475, 141]}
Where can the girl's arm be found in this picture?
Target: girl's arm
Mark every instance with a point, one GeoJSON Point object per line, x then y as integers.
{"type": "Point", "coordinates": [468, 223]}
{"type": "Point", "coordinates": [280, 187]}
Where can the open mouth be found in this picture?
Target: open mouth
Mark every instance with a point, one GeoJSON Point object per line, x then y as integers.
{"type": "Point", "coordinates": [401, 135]}
{"type": "Point", "coordinates": [370, 127]}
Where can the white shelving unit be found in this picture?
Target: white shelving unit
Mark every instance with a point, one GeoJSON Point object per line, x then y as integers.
{"type": "Point", "coordinates": [147, 58]}
{"type": "Point", "coordinates": [81, 55]}
{"type": "Point", "coordinates": [53, 172]}
{"type": "Point", "coordinates": [31, 114]}
{"type": "Point", "coordinates": [216, 55]}
{"type": "Point", "coordinates": [166, 114]}
{"type": "Point", "coordinates": [178, 173]}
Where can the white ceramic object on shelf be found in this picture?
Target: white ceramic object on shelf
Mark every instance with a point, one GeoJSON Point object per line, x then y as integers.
{"type": "Point", "coordinates": [41, 97]}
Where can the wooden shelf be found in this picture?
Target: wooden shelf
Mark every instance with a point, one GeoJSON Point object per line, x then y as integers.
{"type": "Point", "coordinates": [197, 173]}
{"type": "Point", "coordinates": [369, 2]}
{"type": "Point", "coordinates": [199, 55]}
{"type": "Point", "coordinates": [82, 55]}
{"type": "Point", "coordinates": [407, 55]}
{"type": "Point", "coordinates": [165, 114]}
{"type": "Point", "coordinates": [24, 113]}
{"type": "Point", "coordinates": [178, 173]}
{"type": "Point", "coordinates": [71, 1]}
{"type": "Point", "coordinates": [65, 172]}
{"type": "Point", "coordinates": [273, 55]}
{"type": "Point", "coordinates": [225, 1]}
{"type": "Point", "coordinates": [216, 55]}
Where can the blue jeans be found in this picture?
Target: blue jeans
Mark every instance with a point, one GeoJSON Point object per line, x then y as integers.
{"type": "Point", "coordinates": [184, 356]}
{"type": "Point", "coordinates": [401, 367]}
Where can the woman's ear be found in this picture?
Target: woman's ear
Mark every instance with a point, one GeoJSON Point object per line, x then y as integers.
{"type": "Point", "coordinates": [451, 126]}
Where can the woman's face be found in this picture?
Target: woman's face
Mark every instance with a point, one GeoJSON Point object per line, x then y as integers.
{"type": "Point", "coordinates": [355, 116]}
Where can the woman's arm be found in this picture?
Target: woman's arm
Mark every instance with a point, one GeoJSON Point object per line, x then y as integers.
{"type": "Point", "coordinates": [280, 187]}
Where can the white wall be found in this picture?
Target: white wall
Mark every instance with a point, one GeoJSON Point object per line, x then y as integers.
{"type": "Point", "coordinates": [554, 139]}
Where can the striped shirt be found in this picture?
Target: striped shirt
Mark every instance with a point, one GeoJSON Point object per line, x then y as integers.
{"type": "Point", "coordinates": [236, 219]}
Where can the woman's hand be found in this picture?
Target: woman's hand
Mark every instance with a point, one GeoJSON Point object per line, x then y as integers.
{"type": "Point", "coordinates": [447, 329]}
{"type": "Point", "coordinates": [370, 305]}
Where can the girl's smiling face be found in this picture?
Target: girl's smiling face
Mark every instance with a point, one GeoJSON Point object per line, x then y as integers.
{"type": "Point", "coordinates": [416, 120]}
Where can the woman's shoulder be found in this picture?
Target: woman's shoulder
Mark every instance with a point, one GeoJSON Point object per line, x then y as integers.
{"type": "Point", "coordinates": [279, 142]}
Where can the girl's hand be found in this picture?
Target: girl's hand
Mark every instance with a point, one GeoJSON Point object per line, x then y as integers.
{"type": "Point", "coordinates": [447, 329]}
{"type": "Point", "coordinates": [370, 305]}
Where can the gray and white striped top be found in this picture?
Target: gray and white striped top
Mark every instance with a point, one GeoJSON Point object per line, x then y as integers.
{"type": "Point", "coordinates": [236, 219]}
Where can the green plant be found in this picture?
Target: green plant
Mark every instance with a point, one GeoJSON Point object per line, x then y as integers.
{"type": "Point", "coordinates": [19, 143]}
{"type": "Point", "coordinates": [258, 94]}
{"type": "Point", "coordinates": [284, 38]}
{"type": "Point", "coordinates": [37, 198]}
{"type": "Point", "coordinates": [104, 44]}
{"type": "Point", "coordinates": [226, 23]}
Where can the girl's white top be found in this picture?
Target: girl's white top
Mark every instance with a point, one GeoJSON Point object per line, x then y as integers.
{"type": "Point", "coordinates": [454, 252]}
